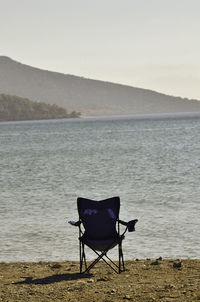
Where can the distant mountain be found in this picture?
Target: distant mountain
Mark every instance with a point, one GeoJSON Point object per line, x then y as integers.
{"type": "Point", "coordinates": [14, 108]}
{"type": "Point", "coordinates": [90, 97]}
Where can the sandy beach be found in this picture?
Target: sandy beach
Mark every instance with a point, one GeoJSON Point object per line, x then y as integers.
{"type": "Point", "coordinates": [144, 280]}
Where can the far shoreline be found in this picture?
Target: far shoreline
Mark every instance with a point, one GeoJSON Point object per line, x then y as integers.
{"type": "Point", "coordinates": [152, 116]}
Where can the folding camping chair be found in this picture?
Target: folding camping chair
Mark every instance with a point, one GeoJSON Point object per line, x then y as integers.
{"type": "Point", "coordinates": [101, 233]}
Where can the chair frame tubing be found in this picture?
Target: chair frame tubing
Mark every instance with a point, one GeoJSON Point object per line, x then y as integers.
{"type": "Point", "coordinates": [120, 267]}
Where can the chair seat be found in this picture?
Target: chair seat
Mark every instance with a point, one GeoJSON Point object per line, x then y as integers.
{"type": "Point", "coordinates": [103, 244]}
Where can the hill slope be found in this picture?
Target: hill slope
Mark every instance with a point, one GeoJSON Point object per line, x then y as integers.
{"type": "Point", "coordinates": [90, 97]}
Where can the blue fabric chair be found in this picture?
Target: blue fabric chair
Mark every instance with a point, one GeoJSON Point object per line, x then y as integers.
{"type": "Point", "coordinates": [101, 233]}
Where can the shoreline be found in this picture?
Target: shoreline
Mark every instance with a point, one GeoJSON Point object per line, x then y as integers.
{"type": "Point", "coordinates": [144, 280]}
{"type": "Point", "coordinates": [138, 116]}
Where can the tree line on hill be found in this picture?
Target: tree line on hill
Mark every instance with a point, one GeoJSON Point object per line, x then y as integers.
{"type": "Point", "coordinates": [15, 108]}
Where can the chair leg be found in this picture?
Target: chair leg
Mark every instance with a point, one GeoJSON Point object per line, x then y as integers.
{"type": "Point", "coordinates": [82, 256]}
{"type": "Point", "coordinates": [121, 259]}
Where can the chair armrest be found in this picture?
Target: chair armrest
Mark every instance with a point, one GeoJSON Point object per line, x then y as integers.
{"type": "Point", "coordinates": [130, 224]}
{"type": "Point", "coordinates": [123, 222]}
{"type": "Point", "coordinates": [75, 223]}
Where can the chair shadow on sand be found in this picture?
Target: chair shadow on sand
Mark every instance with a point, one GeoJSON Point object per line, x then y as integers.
{"type": "Point", "coordinates": [54, 278]}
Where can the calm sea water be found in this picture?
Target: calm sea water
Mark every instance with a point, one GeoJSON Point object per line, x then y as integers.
{"type": "Point", "coordinates": [152, 164]}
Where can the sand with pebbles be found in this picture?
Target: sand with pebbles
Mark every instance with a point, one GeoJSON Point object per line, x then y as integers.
{"type": "Point", "coordinates": [144, 280]}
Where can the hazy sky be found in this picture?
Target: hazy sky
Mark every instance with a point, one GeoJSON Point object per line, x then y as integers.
{"type": "Point", "coordinates": [152, 44]}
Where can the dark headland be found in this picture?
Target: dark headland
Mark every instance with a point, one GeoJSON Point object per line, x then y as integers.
{"type": "Point", "coordinates": [15, 108]}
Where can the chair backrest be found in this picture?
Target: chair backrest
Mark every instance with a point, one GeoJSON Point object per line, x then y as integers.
{"type": "Point", "coordinates": [99, 217]}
